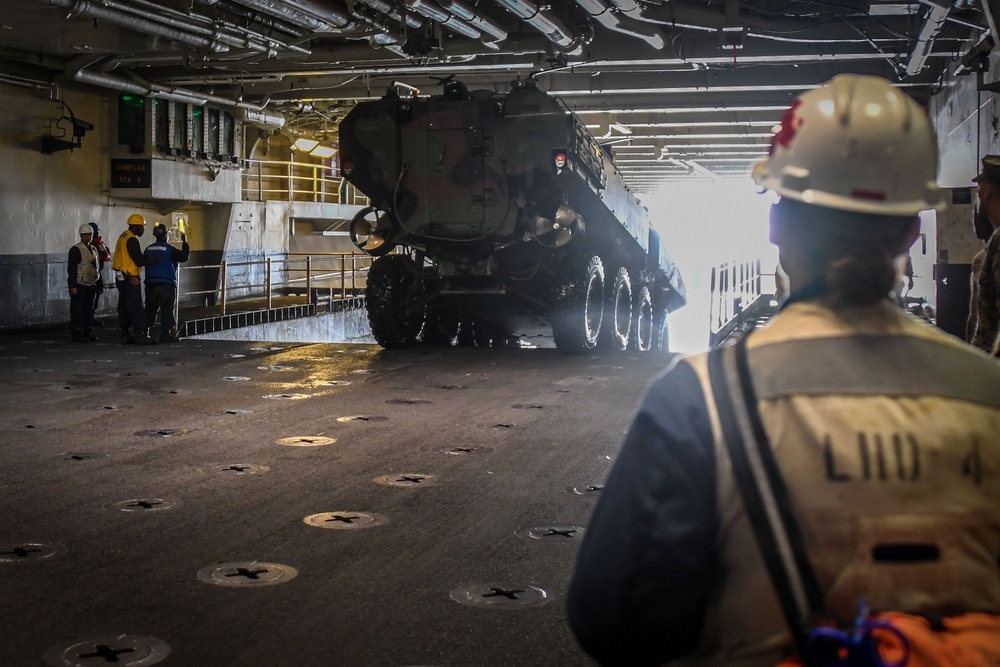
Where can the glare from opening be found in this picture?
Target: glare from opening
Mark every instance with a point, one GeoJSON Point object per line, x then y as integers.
{"type": "Point", "coordinates": [703, 225]}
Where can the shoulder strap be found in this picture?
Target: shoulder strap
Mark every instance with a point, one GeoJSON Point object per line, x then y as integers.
{"type": "Point", "coordinates": [763, 490]}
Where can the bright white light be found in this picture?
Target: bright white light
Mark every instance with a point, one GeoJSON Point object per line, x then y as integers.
{"type": "Point", "coordinates": [306, 145]}
{"type": "Point", "coordinates": [702, 225]}
{"type": "Point", "coordinates": [323, 152]}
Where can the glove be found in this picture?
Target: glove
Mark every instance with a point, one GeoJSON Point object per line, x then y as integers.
{"type": "Point", "coordinates": [135, 280]}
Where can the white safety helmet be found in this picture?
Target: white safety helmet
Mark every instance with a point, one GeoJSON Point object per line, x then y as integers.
{"type": "Point", "coordinates": [86, 229]}
{"type": "Point", "coordinates": [856, 143]}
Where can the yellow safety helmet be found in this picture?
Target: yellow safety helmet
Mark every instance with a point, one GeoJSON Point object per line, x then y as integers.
{"type": "Point", "coordinates": [136, 219]}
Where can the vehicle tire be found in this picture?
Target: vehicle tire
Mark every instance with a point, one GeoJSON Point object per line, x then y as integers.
{"type": "Point", "coordinates": [618, 324]}
{"type": "Point", "coordinates": [579, 309]}
{"type": "Point", "coordinates": [661, 331]}
{"type": "Point", "coordinates": [390, 291]}
{"type": "Point", "coordinates": [642, 325]}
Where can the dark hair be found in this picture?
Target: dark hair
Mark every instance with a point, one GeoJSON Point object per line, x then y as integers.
{"type": "Point", "coordinates": [855, 250]}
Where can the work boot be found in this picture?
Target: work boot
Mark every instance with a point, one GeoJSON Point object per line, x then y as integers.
{"type": "Point", "coordinates": [126, 336]}
{"type": "Point", "coordinates": [79, 338]}
{"type": "Point", "coordinates": [90, 336]}
{"type": "Point", "coordinates": [142, 337]}
{"type": "Point", "coordinates": [167, 337]}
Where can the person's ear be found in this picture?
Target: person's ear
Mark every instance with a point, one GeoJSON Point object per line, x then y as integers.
{"type": "Point", "coordinates": [985, 191]}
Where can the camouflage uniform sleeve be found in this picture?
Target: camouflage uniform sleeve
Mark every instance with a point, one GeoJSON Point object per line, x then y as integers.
{"type": "Point", "coordinates": [989, 305]}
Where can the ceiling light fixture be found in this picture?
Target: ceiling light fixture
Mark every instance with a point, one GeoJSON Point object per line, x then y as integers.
{"type": "Point", "coordinates": [306, 145]}
{"type": "Point", "coordinates": [323, 152]}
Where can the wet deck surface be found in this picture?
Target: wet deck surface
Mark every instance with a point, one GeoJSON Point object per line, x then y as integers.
{"type": "Point", "coordinates": [135, 477]}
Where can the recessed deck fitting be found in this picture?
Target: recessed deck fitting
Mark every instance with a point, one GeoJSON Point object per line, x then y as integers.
{"type": "Point", "coordinates": [553, 533]}
{"type": "Point", "coordinates": [142, 505]}
{"type": "Point", "coordinates": [241, 468]}
{"type": "Point", "coordinates": [501, 595]}
{"type": "Point", "coordinates": [161, 432]}
{"type": "Point", "coordinates": [248, 574]}
{"type": "Point", "coordinates": [586, 489]}
{"type": "Point", "coordinates": [345, 520]}
{"type": "Point", "coordinates": [22, 553]}
{"type": "Point", "coordinates": [409, 479]}
{"type": "Point", "coordinates": [306, 441]}
{"type": "Point", "coordinates": [120, 649]}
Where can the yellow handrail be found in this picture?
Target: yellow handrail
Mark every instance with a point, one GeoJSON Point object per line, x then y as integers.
{"type": "Point", "coordinates": [285, 180]}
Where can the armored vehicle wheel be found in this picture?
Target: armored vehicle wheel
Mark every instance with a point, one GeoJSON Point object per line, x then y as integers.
{"type": "Point", "coordinates": [618, 324]}
{"type": "Point", "coordinates": [576, 322]}
{"type": "Point", "coordinates": [661, 332]}
{"type": "Point", "coordinates": [389, 295]}
{"type": "Point", "coordinates": [642, 327]}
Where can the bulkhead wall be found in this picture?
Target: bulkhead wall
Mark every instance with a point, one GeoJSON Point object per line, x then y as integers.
{"type": "Point", "coordinates": [44, 198]}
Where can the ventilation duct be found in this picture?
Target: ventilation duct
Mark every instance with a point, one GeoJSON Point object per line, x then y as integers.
{"type": "Point", "coordinates": [601, 13]}
{"type": "Point", "coordinates": [547, 23]}
{"type": "Point", "coordinates": [251, 113]}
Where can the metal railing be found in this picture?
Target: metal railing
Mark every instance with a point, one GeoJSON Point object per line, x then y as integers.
{"type": "Point", "coordinates": [279, 180]}
{"type": "Point", "coordinates": [310, 275]}
{"type": "Point", "coordinates": [736, 287]}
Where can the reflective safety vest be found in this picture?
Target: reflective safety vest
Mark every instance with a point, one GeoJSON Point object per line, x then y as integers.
{"type": "Point", "coordinates": [885, 431]}
{"type": "Point", "coordinates": [87, 271]}
{"type": "Point", "coordinates": [122, 261]}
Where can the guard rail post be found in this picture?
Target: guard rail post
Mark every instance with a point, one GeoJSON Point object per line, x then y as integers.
{"type": "Point", "coordinates": [267, 281]}
{"type": "Point", "coordinates": [343, 277]}
{"type": "Point", "coordinates": [222, 291]}
{"type": "Point", "coordinates": [309, 297]}
{"type": "Point", "coordinates": [177, 302]}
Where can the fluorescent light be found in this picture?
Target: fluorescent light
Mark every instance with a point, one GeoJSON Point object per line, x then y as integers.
{"type": "Point", "coordinates": [306, 144]}
{"type": "Point", "coordinates": [323, 152]}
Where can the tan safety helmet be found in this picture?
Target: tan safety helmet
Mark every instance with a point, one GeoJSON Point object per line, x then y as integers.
{"type": "Point", "coordinates": [136, 219]}
{"type": "Point", "coordinates": [856, 143]}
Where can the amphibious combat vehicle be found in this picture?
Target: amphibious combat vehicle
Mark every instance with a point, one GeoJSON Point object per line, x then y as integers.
{"type": "Point", "coordinates": [499, 204]}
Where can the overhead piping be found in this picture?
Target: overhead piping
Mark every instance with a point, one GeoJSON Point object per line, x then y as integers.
{"type": "Point", "coordinates": [90, 9]}
{"type": "Point", "coordinates": [303, 13]}
{"type": "Point", "coordinates": [434, 12]}
{"type": "Point", "coordinates": [547, 23]}
{"type": "Point", "coordinates": [387, 9]}
{"type": "Point", "coordinates": [481, 23]}
{"type": "Point", "coordinates": [270, 22]}
{"type": "Point", "coordinates": [936, 17]}
{"type": "Point", "coordinates": [255, 114]}
{"type": "Point", "coordinates": [601, 13]}
{"type": "Point", "coordinates": [224, 31]}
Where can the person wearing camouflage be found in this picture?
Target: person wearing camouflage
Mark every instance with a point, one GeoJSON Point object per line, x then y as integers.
{"type": "Point", "coordinates": [988, 301]}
